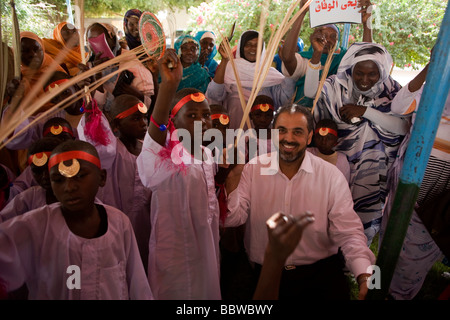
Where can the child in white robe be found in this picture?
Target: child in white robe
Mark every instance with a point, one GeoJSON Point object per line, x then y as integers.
{"type": "Point", "coordinates": [325, 140]}
{"type": "Point", "coordinates": [184, 239]}
{"type": "Point", "coordinates": [124, 189]}
{"type": "Point", "coordinates": [75, 248]}
{"type": "Point", "coordinates": [35, 196]}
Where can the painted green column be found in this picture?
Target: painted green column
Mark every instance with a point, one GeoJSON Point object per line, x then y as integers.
{"type": "Point", "coordinates": [416, 158]}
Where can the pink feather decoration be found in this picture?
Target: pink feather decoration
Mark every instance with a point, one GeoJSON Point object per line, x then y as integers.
{"type": "Point", "coordinates": [170, 155]}
{"type": "Point", "coordinates": [94, 128]}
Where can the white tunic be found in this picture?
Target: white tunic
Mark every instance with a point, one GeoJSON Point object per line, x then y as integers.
{"type": "Point", "coordinates": [37, 248]}
{"type": "Point", "coordinates": [184, 239]}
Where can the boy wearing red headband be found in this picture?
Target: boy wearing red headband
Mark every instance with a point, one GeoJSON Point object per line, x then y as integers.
{"type": "Point", "coordinates": [58, 128]}
{"type": "Point", "coordinates": [261, 114]}
{"type": "Point", "coordinates": [325, 139]}
{"type": "Point", "coordinates": [129, 118]}
{"type": "Point", "coordinates": [71, 111]}
{"type": "Point", "coordinates": [123, 188]}
{"type": "Point", "coordinates": [75, 248]}
{"type": "Point", "coordinates": [38, 195]}
{"type": "Point", "coordinates": [220, 119]}
{"type": "Point", "coordinates": [184, 240]}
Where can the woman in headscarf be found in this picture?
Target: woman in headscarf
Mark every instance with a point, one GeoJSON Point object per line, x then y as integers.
{"type": "Point", "coordinates": [323, 39]}
{"type": "Point", "coordinates": [65, 37]}
{"type": "Point", "coordinates": [208, 49]}
{"type": "Point", "coordinates": [358, 98]}
{"type": "Point", "coordinates": [131, 28]}
{"type": "Point", "coordinates": [194, 75]}
{"type": "Point", "coordinates": [35, 63]}
{"type": "Point", "coordinates": [224, 90]}
{"type": "Point", "coordinates": [136, 80]}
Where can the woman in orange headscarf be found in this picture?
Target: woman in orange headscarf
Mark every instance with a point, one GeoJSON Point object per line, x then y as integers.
{"type": "Point", "coordinates": [35, 62]}
{"type": "Point", "coordinates": [65, 37]}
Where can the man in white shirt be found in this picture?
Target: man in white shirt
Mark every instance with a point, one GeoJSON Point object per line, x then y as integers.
{"type": "Point", "coordinates": [301, 182]}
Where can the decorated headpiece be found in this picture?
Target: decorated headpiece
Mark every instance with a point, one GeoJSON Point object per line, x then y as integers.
{"type": "Point", "coordinates": [74, 168]}
{"type": "Point", "coordinates": [55, 85]}
{"type": "Point", "coordinates": [137, 107]}
{"type": "Point", "coordinates": [323, 131]}
{"type": "Point", "coordinates": [223, 118]}
{"type": "Point", "coordinates": [39, 159]}
{"type": "Point", "coordinates": [196, 97]}
{"type": "Point", "coordinates": [264, 107]}
{"type": "Point", "coordinates": [57, 130]}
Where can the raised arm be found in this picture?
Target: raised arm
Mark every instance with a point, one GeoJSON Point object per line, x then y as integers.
{"type": "Point", "coordinates": [284, 233]}
{"type": "Point", "coordinates": [290, 44]}
{"type": "Point", "coordinates": [220, 71]}
{"type": "Point", "coordinates": [366, 16]}
{"type": "Point", "coordinates": [170, 79]}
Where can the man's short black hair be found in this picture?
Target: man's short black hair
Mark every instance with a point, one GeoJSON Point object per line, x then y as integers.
{"type": "Point", "coordinates": [296, 108]}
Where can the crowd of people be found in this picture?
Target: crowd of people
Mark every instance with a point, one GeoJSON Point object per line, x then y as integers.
{"type": "Point", "coordinates": [123, 194]}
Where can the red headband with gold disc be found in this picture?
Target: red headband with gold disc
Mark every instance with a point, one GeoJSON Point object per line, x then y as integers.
{"type": "Point", "coordinates": [196, 97]}
{"type": "Point", "coordinates": [57, 130]}
{"type": "Point", "coordinates": [55, 85]}
{"type": "Point", "coordinates": [137, 107]}
{"type": "Point", "coordinates": [223, 118]}
{"type": "Point", "coordinates": [39, 159]}
{"type": "Point", "coordinates": [264, 107]}
{"type": "Point", "coordinates": [72, 170]}
{"type": "Point", "coordinates": [324, 131]}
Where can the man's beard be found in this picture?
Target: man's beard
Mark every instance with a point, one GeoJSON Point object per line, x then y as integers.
{"type": "Point", "coordinates": [290, 157]}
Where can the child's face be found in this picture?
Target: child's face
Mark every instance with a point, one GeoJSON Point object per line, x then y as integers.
{"type": "Point", "coordinates": [192, 112]}
{"type": "Point", "coordinates": [261, 119]}
{"type": "Point", "coordinates": [32, 54]}
{"type": "Point", "coordinates": [216, 124]}
{"type": "Point", "coordinates": [77, 193]}
{"type": "Point", "coordinates": [326, 143]}
{"type": "Point", "coordinates": [189, 53]}
{"type": "Point", "coordinates": [133, 126]}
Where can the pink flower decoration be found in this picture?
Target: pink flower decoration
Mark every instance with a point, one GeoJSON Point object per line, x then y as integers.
{"type": "Point", "coordinates": [199, 20]}
{"type": "Point", "coordinates": [391, 43]}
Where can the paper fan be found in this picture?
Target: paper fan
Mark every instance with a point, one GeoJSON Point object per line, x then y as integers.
{"type": "Point", "coordinates": [152, 35]}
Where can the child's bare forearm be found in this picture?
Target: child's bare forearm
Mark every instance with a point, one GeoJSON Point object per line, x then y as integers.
{"type": "Point", "coordinates": [171, 71]}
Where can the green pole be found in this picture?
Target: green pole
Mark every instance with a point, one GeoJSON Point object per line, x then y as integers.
{"type": "Point", "coordinates": [419, 148]}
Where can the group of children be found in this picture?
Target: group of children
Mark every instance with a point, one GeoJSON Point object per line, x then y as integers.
{"type": "Point", "coordinates": [75, 190]}
{"type": "Point", "coordinates": [119, 199]}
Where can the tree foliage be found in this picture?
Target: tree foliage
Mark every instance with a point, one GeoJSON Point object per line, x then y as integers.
{"type": "Point", "coordinates": [407, 28]}
{"type": "Point", "coordinates": [36, 16]}
{"type": "Point", "coordinates": [41, 16]}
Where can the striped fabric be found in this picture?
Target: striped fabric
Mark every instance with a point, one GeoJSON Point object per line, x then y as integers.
{"type": "Point", "coordinates": [370, 148]}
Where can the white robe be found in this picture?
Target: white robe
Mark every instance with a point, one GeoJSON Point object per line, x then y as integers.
{"type": "Point", "coordinates": [39, 249]}
{"type": "Point", "coordinates": [184, 239]}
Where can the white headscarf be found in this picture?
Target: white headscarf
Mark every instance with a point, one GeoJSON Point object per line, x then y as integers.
{"type": "Point", "coordinates": [383, 60]}
{"type": "Point", "coordinates": [246, 70]}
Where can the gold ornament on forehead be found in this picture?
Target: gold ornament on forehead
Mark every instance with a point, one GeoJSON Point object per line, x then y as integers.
{"type": "Point", "coordinates": [142, 107]}
{"type": "Point", "coordinates": [69, 171]}
{"type": "Point", "coordinates": [56, 130]}
{"type": "Point", "coordinates": [52, 87]}
{"type": "Point", "coordinates": [224, 119]}
{"type": "Point", "coordinates": [264, 107]}
{"type": "Point", "coordinates": [323, 131]}
{"type": "Point", "coordinates": [39, 159]}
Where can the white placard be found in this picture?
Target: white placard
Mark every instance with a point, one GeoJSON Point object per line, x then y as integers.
{"type": "Point", "coordinates": [333, 11]}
